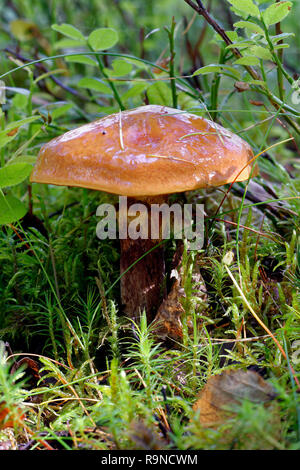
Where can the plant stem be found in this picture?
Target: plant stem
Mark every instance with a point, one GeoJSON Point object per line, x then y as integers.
{"type": "Point", "coordinates": [276, 59]}
{"type": "Point", "coordinates": [110, 83]}
{"type": "Point", "coordinates": [172, 56]}
{"type": "Point", "coordinates": [280, 57]}
{"type": "Point", "coordinates": [2, 126]}
{"type": "Point", "coordinates": [215, 87]}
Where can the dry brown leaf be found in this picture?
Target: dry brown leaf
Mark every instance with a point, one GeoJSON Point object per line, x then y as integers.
{"type": "Point", "coordinates": [227, 389]}
{"type": "Point", "coordinates": [167, 323]}
{"type": "Point", "coordinates": [164, 63]}
{"type": "Point", "coordinates": [241, 86]}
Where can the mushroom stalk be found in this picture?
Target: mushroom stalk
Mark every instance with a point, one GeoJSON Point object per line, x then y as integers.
{"type": "Point", "coordinates": [143, 280]}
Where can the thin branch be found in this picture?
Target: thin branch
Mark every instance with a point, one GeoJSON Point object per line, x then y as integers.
{"type": "Point", "coordinates": [202, 11]}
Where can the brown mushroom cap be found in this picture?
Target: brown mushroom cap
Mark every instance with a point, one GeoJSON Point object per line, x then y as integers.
{"type": "Point", "coordinates": [145, 151]}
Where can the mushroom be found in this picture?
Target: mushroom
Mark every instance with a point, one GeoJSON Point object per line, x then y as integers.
{"type": "Point", "coordinates": [145, 154]}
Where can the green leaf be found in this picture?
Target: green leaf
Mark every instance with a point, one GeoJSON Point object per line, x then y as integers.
{"type": "Point", "coordinates": [253, 27]}
{"type": "Point", "coordinates": [159, 93]}
{"type": "Point", "coordinates": [20, 101]}
{"type": "Point", "coordinates": [233, 36]}
{"type": "Point", "coordinates": [12, 129]}
{"type": "Point", "coordinates": [207, 69]}
{"type": "Point", "coordinates": [94, 84]}
{"type": "Point", "coordinates": [246, 6]}
{"type": "Point", "coordinates": [20, 123]}
{"type": "Point", "coordinates": [135, 90]}
{"type": "Point", "coordinates": [247, 60]}
{"type": "Point", "coordinates": [261, 52]}
{"type": "Point", "coordinates": [11, 209]}
{"type": "Point", "coordinates": [5, 139]}
{"type": "Point", "coordinates": [119, 68]}
{"type": "Point", "coordinates": [13, 174]}
{"type": "Point", "coordinates": [239, 13]}
{"type": "Point", "coordinates": [23, 159]}
{"type": "Point", "coordinates": [281, 46]}
{"type": "Point", "coordinates": [257, 82]}
{"type": "Point", "coordinates": [281, 36]}
{"type": "Point", "coordinates": [103, 38]}
{"type": "Point", "coordinates": [81, 59]}
{"type": "Point", "coordinates": [108, 109]}
{"type": "Point", "coordinates": [69, 31]}
{"type": "Point", "coordinates": [67, 44]}
{"type": "Point", "coordinates": [221, 68]}
{"type": "Point", "coordinates": [61, 110]}
{"type": "Point", "coordinates": [240, 44]}
{"type": "Point", "coordinates": [139, 64]}
{"type": "Point", "coordinates": [276, 12]}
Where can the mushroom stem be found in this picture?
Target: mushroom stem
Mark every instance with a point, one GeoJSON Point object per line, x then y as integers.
{"type": "Point", "coordinates": [142, 286]}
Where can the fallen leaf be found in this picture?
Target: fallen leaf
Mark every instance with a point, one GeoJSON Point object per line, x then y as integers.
{"type": "Point", "coordinates": [167, 323]}
{"type": "Point", "coordinates": [31, 369]}
{"type": "Point", "coordinates": [163, 63]}
{"type": "Point", "coordinates": [241, 86]}
{"type": "Point", "coordinates": [227, 389]}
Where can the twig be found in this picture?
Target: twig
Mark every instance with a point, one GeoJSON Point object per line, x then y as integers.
{"type": "Point", "coordinates": [202, 11]}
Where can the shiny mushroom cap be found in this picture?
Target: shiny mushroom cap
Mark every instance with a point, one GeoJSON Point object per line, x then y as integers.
{"type": "Point", "coordinates": [146, 151]}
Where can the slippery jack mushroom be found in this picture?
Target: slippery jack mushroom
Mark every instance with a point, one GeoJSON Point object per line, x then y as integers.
{"type": "Point", "coordinates": [145, 154]}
